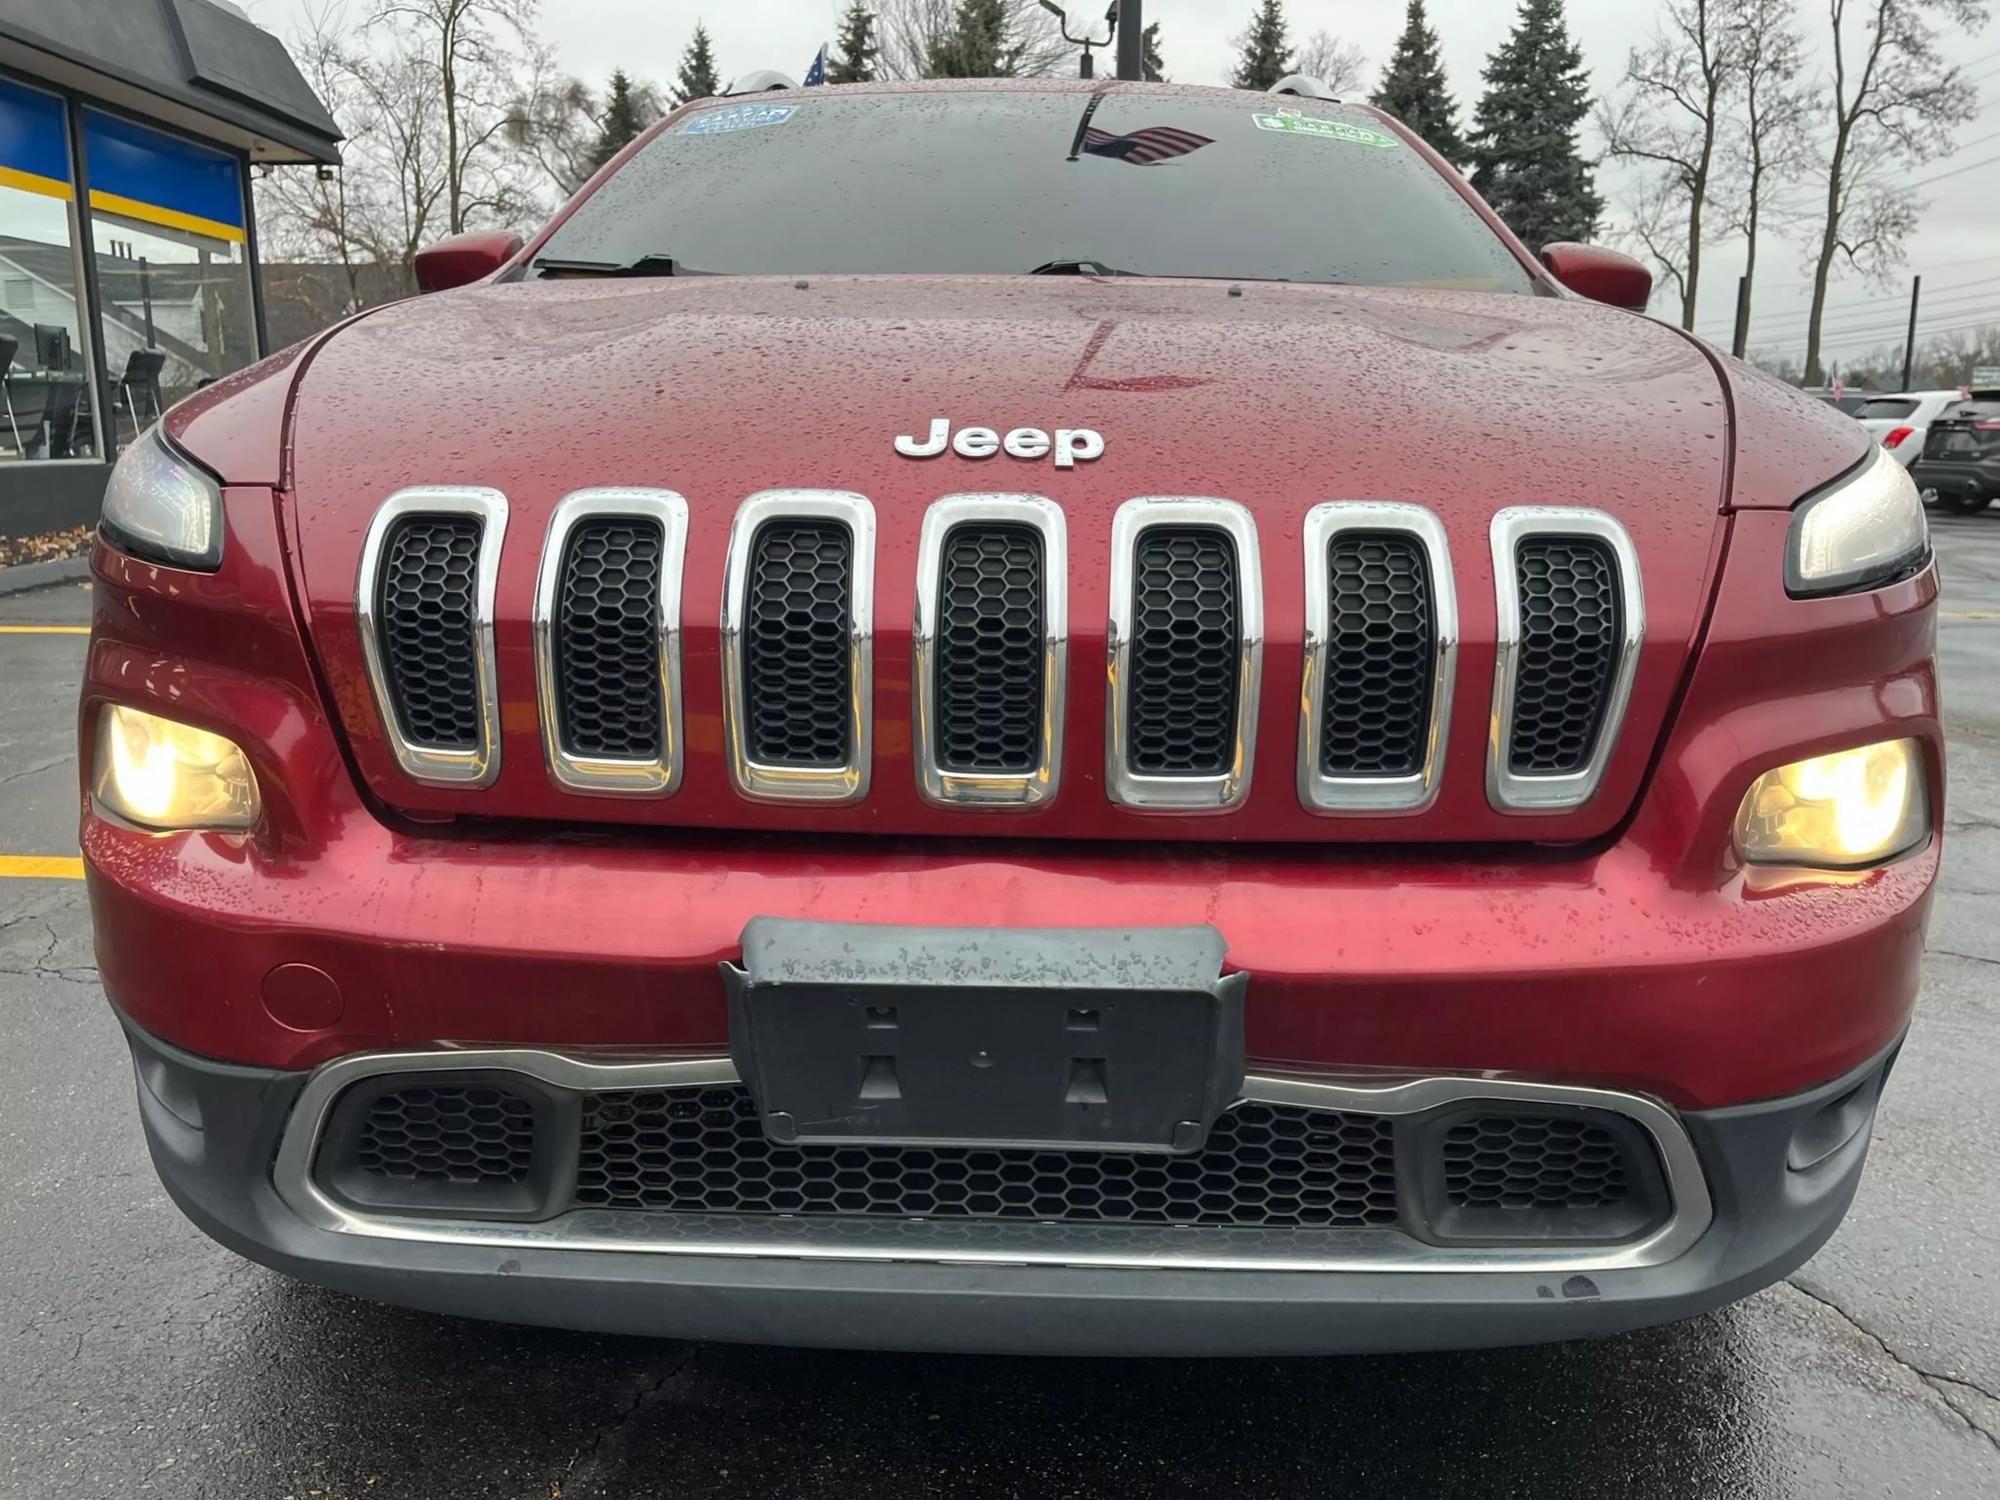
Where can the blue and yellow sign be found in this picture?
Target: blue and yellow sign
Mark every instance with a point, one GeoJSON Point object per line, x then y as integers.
{"type": "Point", "coordinates": [156, 178]}
{"type": "Point", "coordinates": [135, 172]}
{"type": "Point", "coordinates": [34, 147]}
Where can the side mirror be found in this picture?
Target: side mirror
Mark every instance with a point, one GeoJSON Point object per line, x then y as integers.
{"type": "Point", "coordinates": [1601, 275]}
{"type": "Point", "coordinates": [464, 258]}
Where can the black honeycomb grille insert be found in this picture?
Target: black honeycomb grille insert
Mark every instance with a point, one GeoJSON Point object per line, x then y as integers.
{"type": "Point", "coordinates": [1186, 640]}
{"type": "Point", "coordinates": [703, 1150]}
{"type": "Point", "coordinates": [426, 598]}
{"type": "Point", "coordinates": [463, 1135]}
{"type": "Point", "coordinates": [796, 637]}
{"type": "Point", "coordinates": [1375, 706]}
{"type": "Point", "coordinates": [1533, 1161]}
{"type": "Point", "coordinates": [607, 624]}
{"type": "Point", "coordinates": [989, 650]}
{"type": "Point", "coordinates": [1571, 625]}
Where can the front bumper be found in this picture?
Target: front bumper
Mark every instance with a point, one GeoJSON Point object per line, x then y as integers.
{"type": "Point", "coordinates": [1774, 1179]}
{"type": "Point", "coordinates": [1589, 968]}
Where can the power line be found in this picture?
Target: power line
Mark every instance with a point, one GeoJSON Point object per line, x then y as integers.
{"type": "Point", "coordinates": [1970, 260]}
{"type": "Point", "coordinates": [1943, 293]}
{"type": "Point", "coordinates": [1900, 322]}
{"type": "Point", "coordinates": [1985, 161]}
{"type": "Point", "coordinates": [1880, 337]}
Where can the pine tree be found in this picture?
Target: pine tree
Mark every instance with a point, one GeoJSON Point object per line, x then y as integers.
{"type": "Point", "coordinates": [977, 45]}
{"type": "Point", "coordinates": [624, 118]}
{"type": "Point", "coordinates": [697, 75]}
{"type": "Point", "coordinates": [855, 52]}
{"type": "Point", "coordinates": [1524, 148]}
{"type": "Point", "coordinates": [1413, 88]}
{"type": "Point", "coordinates": [1267, 51]}
{"type": "Point", "coordinates": [1154, 70]}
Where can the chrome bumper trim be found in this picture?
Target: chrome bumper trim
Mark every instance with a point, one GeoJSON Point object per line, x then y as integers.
{"type": "Point", "coordinates": [973, 1242]}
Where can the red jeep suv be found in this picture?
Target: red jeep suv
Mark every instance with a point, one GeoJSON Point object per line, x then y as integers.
{"type": "Point", "coordinates": [1026, 717]}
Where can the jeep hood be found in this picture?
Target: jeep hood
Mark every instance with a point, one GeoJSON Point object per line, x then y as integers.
{"type": "Point", "coordinates": [1277, 396]}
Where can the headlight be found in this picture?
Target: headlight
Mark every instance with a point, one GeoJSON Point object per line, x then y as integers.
{"type": "Point", "coordinates": [1838, 811]}
{"type": "Point", "coordinates": [160, 506]}
{"type": "Point", "coordinates": [1866, 530]}
{"type": "Point", "coordinates": [159, 774]}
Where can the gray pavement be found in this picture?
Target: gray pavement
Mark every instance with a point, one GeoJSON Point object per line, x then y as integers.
{"type": "Point", "coordinates": [138, 1358]}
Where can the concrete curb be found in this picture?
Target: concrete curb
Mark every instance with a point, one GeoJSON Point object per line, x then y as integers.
{"type": "Point", "coordinates": [36, 575]}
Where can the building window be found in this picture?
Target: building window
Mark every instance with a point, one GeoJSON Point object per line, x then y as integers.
{"type": "Point", "coordinates": [173, 270]}
{"type": "Point", "coordinates": [46, 405]}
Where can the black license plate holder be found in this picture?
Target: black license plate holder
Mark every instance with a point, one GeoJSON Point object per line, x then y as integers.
{"type": "Point", "coordinates": [1126, 1039]}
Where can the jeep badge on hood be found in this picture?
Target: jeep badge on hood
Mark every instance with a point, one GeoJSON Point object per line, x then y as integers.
{"type": "Point", "coordinates": [1072, 445]}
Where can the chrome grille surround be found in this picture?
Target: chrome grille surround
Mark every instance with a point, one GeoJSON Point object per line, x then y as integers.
{"type": "Point", "coordinates": [917, 1241]}
{"type": "Point", "coordinates": [1187, 794]}
{"type": "Point", "coordinates": [656, 776]}
{"type": "Point", "coordinates": [1512, 791]}
{"type": "Point", "coordinates": [761, 781]}
{"type": "Point", "coordinates": [1324, 526]}
{"type": "Point", "coordinates": [431, 764]}
{"type": "Point", "coordinates": [983, 788]}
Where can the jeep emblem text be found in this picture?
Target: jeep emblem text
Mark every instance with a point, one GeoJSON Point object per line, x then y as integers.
{"type": "Point", "coordinates": [1071, 445]}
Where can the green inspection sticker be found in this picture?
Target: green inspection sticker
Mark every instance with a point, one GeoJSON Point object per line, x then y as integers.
{"type": "Point", "coordinates": [1331, 130]}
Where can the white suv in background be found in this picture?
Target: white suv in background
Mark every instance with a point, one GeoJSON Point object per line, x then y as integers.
{"type": "Point", "coordinates": [1899, 422]}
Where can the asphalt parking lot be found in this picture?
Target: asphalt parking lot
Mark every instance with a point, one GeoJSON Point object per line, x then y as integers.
{"type": "Point", "coordinates": [138, 1358]}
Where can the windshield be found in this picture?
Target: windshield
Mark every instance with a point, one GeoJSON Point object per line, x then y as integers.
{"type": "Point", "coordinates": [1241, 187]}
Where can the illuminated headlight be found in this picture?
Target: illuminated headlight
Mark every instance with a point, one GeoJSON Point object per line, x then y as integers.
{"type": "Point", "coordinates": [1850, 808]}
{"type": "Point", "coordinates": [160, 506]}
{"type": "Point", "coordinates": [160, 774]}
{"type": "Point", "coordinates": [1865, 531]}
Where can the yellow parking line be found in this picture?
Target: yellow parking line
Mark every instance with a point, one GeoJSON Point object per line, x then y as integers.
{"type": "Point", "coordinates": [44, 630]}
{"type": "Point", "coordinates": [40, 867]}
{"type": "Point", "coordinates": [1969, 614]}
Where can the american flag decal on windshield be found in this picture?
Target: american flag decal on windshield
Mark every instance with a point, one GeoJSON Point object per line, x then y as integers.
{"type": "Point", "coordinates": [1144, 148]}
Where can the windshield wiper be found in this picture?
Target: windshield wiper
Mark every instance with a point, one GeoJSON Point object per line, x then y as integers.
{"type": "Point", "coordinates": [645, 265]}
{"type": "Point", "coordinates": [1079, 268]}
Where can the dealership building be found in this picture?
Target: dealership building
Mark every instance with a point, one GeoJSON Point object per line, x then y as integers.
{"type": "Point", "coordinates": [129, 130]}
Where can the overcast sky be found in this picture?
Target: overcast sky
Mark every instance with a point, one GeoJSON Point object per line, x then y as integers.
{"type": "Point", "coordinates": [1957, 250]}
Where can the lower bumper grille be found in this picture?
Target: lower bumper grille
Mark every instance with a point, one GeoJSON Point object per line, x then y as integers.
{"type": "Point", "coordinates": [513, 1147]}
{"type": "Point", "coordinates": [703, 1150]}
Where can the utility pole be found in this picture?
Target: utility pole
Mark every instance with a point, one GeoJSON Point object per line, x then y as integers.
{"type": "Point", "coordinates": [1910, 344]}
{"type": "Point", "coordinates": [1742, 339]}
{"type": "Point", "coordinates": [1132, 40]}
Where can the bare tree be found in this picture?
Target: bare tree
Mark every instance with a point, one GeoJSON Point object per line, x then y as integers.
{"type": "Point", "coordinates": [1670, 118]}
{"type": "Point", "coordinates": [1764, 156]}
{"type": "Point", "coordinates": [473, 51]}
{"type": "Point", "coordinates": [411, 171]}
{"type": "Point", "coordinates": [561, 124]}
{"type": "Point", "coordinates": [1337, 64]}
{"type": "Point", "coordinates": [383, 202]}
{"type": "Point", "coordinates": [1656, 225]}
{"type": "Point", "coordinates": [1893, 103]}
{"type": "Point", "coordinates": [308, 215]}
{"type": "Point", "coordinates": [913, 33]}
{"type": "Point", "coordinates": [557, 122]}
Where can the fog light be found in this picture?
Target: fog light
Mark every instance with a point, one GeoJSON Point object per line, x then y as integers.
{"type": "Point", "coordinates": [159, 774]}
{"type": "Point", "coordinates": [1850, 808]}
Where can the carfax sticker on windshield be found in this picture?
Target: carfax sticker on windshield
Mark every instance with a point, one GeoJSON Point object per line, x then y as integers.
{"type": "Point", "coordinates": [735, 117]}
{"type": "Point", "coordinates": [1329, 130]}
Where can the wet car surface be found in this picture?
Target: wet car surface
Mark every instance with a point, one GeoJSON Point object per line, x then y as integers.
{"type": "Point", "coordinates": [138, 1357]}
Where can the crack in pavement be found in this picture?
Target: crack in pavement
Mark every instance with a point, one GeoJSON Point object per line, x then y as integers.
{"type": "Point", "coordinates": [648, 1390]}
{"type": "Point", "coordinates": [39, 966]}
{"type": "Point", "coordinates": [47, 765]}
{"type": "Point", "coordinates": [1971, 958]}
{"type": "Point", "coordinates": [1940, 1385]}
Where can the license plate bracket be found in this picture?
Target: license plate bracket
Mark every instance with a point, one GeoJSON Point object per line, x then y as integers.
{"type": "Point", "coordinates": [1126, 1039]}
